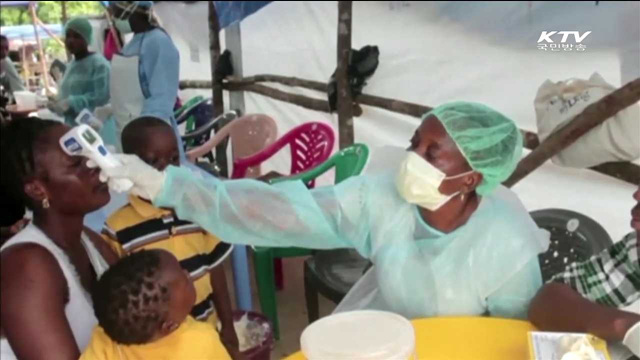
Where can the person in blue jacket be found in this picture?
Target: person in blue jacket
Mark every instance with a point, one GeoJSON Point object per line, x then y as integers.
{"type": "Point", "coordinates": [145, 75]}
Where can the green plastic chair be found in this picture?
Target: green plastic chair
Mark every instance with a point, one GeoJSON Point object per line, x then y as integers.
{"type": "Point", "coordinates": [347, 163]}
{"type": "Point", "coordinates": [191, 120]}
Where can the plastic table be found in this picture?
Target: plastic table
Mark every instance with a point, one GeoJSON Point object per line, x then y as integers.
{"type": "Point", "coordinates": [468, 338]}
{"type": "Point", "coordinates": [19, 113]}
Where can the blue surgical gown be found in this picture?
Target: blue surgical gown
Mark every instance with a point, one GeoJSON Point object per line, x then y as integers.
{"type": "Point", "coordinates": [159, 74]}
{"type": "Point", "coordinates": [85, 85]}
{"type": "Point", "coordinates": [489, 265]}
{"type": "Point", "coordinates": [159, 71]}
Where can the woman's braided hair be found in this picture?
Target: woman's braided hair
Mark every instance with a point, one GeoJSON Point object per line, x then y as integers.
{"type": "Point", "coordinates": [20, 141]}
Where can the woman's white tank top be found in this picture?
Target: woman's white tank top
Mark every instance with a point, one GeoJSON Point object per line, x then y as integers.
{"type": "Point", "coordinates": [79, 309]}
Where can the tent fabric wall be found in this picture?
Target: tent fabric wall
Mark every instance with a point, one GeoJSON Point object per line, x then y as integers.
{"type": "Point", "coordinates": [454, 50]}
{"type": "Point", "coordinates": [431, 53]}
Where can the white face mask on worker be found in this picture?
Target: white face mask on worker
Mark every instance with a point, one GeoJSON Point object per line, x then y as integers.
{"type": "Point", "coordinates": [418, 182]}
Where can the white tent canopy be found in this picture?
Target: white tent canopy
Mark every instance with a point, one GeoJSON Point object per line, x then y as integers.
{"type": "Point", "coordinates": [431, 53]}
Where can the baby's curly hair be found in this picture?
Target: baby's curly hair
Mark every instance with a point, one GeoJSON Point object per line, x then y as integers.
{"type": "Point", "coordinates": [129, 301]}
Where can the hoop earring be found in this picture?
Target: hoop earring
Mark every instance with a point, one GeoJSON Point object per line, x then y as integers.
{"type": "Point", "coordinates": [45, 203]}
{"type": "Point", "coordinates": [462, 197]}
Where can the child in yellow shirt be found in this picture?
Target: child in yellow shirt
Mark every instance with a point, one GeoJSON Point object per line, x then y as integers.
{"type": "Point", "coordinates": [142, 304]}
{"type": "Point", "coordinates": [140, 225]}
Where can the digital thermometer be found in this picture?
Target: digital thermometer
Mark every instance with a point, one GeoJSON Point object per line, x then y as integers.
{"type": "Point", "coordinates": [87, 118]}
{"type": "Point", "coordinates": [82, 140]}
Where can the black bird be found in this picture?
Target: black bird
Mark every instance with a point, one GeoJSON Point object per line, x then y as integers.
{"type": "Point", "coordinates": [224, 67]}
{"type": "Point", "coordinates": [362, 65]}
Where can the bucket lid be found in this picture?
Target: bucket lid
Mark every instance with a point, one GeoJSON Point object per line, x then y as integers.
{"type": "Point", "coordinates": [365, 335]}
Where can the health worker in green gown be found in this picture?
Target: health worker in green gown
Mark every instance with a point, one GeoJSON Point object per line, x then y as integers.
{"type": "Point", "coordinates": [445, 238]}
{"type": "Point", "coordinates": [85, 84]}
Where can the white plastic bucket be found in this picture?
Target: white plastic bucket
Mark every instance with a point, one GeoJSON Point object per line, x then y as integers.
{"type": "Point", "coordinates": [25, 99]}
{"type": "Point", "coordinates": [362, 335]}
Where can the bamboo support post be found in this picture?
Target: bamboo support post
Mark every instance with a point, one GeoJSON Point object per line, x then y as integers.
{"type": "Point", "coordinates": [594, 115]}
{"type": "Point", "coordinates": [49, 32]}
{"type": "Point", "coordinates": [344, 98]}
{"type": "Point", "coordinates": [25, 68]}
{"type": "Point", "coordinates": [64, 22]}
{"type": "Point", "coordinates": [43, 64]}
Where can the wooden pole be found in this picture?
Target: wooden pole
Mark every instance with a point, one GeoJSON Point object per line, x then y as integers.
{"type": "Point", "coordinates": [300, 100]}
{"type": "Point", "coordinates": [214, 48]}
{"type": "Point", "coordinates": [624, 171]}
{"type": "Point", "coordinates": [25, 68]}
{"type": "Point", "coordinates": [594, 115]}
{"type": "Point", "coordinates": [43, 64]}
{"type": "Point", "coordinates": [51, 35]}
{"type": "Point", "coordinates": [233, 43]}
{"type": "Point", "coordinates": [398, 106]}
{"type": "Point", "coordinates": [64, 22]}
{"type": "Point", "coordinates": [344, 98]}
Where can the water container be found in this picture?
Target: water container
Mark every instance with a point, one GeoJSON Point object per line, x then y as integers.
{"type": "Point", "coordinates": [362, 335]}
{"type": "Point", "coordinates": [258, 334]}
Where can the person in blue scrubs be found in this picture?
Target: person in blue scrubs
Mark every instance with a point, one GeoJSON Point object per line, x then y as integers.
{"type": "Point", "coordinates": [144, 81]}
{"type": "Point", "coordinates": [152, 55]}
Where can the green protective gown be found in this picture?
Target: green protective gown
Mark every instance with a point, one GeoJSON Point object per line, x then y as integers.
{"type": "Point", "coordinates": [85, 86]}
{"type": "Point", "coordinates": [489, 265]}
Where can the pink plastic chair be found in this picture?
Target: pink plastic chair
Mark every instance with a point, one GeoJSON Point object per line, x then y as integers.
{"type": "Point", "coordinates": [311, 145]}
{"type": "Point", "coordinates": [249, 134]}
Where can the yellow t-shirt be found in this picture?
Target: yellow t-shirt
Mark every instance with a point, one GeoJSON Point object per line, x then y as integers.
{"type": "Point", "coordinates": [140, 225]}
{"type": "Point", "coordinates": [193, 340]}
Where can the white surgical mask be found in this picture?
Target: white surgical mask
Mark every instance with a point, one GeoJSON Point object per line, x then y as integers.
{"type": "Point", "coordinates": [123, 26]}
{"type": "Point", "coordinates": [418, 182]}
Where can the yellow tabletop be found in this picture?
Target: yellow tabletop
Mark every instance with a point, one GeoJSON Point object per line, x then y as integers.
{"type": "Point", "coordinates": [472, 338]}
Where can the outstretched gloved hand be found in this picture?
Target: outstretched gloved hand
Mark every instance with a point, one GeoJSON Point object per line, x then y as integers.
{"type": "Point", "coordinates": [147, 181]}
{"type": "Point", "coordinates": [58, 106]}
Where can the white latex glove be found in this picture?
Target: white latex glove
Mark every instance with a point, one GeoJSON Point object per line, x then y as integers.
{"type": "Point", "coordinates": [95, 124]}
{"type": "Point", "coordinates": [632, 339]}
{"type": "Point", "coordinates": [103, 112]}
{"type": "Point", "coordinates": [147, 181]}
{"type": "Point", "coordinates": [59, 107]}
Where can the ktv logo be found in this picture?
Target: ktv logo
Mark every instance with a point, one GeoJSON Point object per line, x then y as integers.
{"type": "Point", "coordinates": [546, 36]}
{"type": "Point", "coordinates": [546, 40]}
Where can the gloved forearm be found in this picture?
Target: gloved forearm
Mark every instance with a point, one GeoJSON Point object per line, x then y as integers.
{"type": "Point", "coordinates": [250, 212]}
{"type": "Point", "coordinates": [59, 107]}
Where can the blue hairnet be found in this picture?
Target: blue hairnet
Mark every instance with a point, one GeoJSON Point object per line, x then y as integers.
{"type": "Point", "coordinates": [490, 141]}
